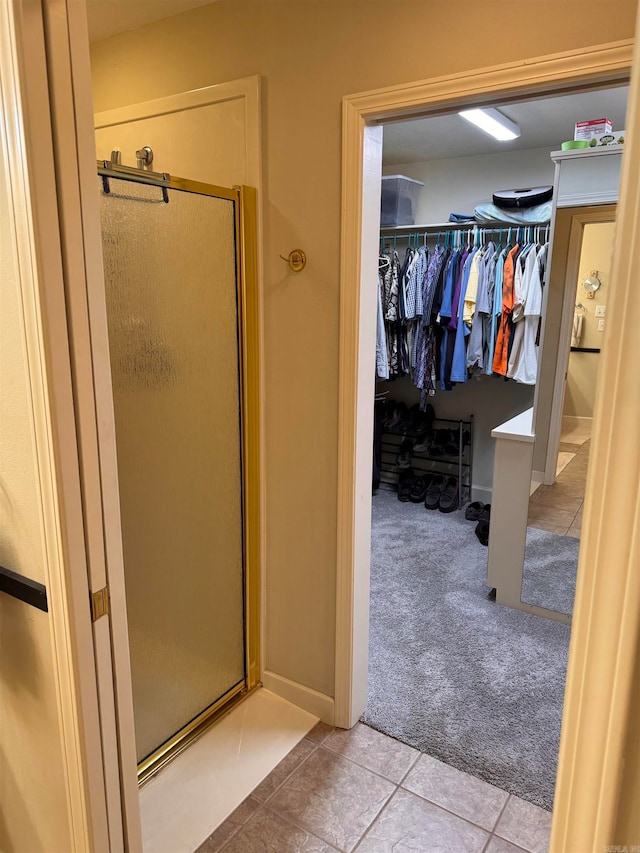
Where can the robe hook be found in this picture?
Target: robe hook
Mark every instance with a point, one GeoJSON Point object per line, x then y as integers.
{"type": "Point", "coordinates": [296, 259]}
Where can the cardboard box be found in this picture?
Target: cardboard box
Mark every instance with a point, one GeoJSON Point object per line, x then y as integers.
{"type": "Point", "coordinates": [593, 127]}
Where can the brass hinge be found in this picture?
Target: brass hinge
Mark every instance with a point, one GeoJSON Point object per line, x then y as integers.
{"type": "Point", "coordinates": [99, 603]}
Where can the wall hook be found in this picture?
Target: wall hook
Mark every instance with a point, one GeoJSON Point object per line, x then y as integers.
{"type": "Point", "coordinates": [296, 259]}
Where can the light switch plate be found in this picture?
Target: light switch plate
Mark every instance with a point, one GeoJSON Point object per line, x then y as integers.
{"type": "Point", "coordinates": [601, 310]}
{"type": "Point", "coordinates": [601, 325]}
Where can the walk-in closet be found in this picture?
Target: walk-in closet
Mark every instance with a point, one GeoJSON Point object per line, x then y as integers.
{"type": "Point", "coordinates": [491, 253]}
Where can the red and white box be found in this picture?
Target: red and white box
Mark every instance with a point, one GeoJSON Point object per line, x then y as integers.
{"type": "Point", "coordinates": [594, 127]}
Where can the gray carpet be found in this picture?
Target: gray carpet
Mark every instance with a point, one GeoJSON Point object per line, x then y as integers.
{"type": "Point", "coordinates": [474, 684]}
{"type": "Point", "coordinates": [550, 568]}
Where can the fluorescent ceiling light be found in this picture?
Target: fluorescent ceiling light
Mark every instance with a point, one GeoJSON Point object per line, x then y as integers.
{"type": "Point", "coordinates": [493, 123]}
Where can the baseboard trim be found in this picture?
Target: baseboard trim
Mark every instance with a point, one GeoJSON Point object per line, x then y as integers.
{"type": "Point", "coordinates": [304, 697]}
{"type": "Point", "coordinates": [481, 493]}
{"type": "Point", "coordinates": [578, 420]}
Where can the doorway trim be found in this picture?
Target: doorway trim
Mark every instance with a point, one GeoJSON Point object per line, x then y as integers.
{"type": "Point", "coordinates": [361, 168]}
{"type": "Point", "coordinates": [569, 272]}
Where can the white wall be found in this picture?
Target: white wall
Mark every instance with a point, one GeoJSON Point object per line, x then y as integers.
{"type": "Point", "coordinates": [458, 184]}
{"type": "Point", "coordinates": [597, 246]}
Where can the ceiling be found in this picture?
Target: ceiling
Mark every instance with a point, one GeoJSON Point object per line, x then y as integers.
{"type": "Point", "coordinates": [108, 17]}
{"type": "Point", "coordinates": [544, 123]}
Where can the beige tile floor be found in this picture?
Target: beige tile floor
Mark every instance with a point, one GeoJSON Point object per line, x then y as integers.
{"type": "Point", "coordinates": [558, 508]}
{"type": "Point", "coordinates": [360, 790]}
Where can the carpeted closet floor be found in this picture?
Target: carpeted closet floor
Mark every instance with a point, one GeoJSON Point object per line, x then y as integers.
{"type": "Point", "coordinates": [459, 677]}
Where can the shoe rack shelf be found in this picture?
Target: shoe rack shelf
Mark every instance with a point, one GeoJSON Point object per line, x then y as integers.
{"type": "Point", "coordinates": [459, 464]}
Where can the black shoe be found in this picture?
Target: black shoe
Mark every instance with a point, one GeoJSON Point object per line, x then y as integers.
{"type": "Point", "coordinates": [432, 497]}
{"type": "Point", "coordinates": [405, 484]}
{"type": "Point", "coordinates": [449, 496]}
{"type": "Point", "coordinates": [419, 489]}
{"type": "Point", "coordinates": [399, 416]}
{"type": "Point", "coordinates": [485, 513]}
{"type": "Point", "coordinates": [440, 439]}
{"type": "Point", "coordinates": [403, 460]}
{"type": "Point", "coordinates": [412, 420]}
{"type": "Point", "coordinates": [482, 532]}
{"type": "Point", "coordinates": [472, 512]}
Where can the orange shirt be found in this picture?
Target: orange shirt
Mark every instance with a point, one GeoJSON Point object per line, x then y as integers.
{"type": "Point", "coordinates": [501, 354]}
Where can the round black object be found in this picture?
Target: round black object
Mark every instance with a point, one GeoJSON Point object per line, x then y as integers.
{"type": "Point", "coordinates": [528, 197]}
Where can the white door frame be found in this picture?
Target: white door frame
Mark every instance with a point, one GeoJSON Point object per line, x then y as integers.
{"type": "Point", "coordinates": [578, 221]}
{"type": "Point", "coordinates": [27, 81]}
{"type": "Point", "coordinates": [360, 222]}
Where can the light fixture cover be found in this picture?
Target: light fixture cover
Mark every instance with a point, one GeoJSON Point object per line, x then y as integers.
{"type": "Point", "coordinates": [492, 122]}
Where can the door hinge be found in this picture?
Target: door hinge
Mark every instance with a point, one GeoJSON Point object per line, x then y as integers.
{"type": "Point", "coordinates": [99, 603]}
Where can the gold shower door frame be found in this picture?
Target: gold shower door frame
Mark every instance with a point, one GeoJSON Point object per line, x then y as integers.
{"type": "Point", "coordinates": [246, 254]}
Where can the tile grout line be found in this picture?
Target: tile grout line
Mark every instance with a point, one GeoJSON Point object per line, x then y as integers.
{"type": "Point", "coordinates": [376, 818]}
{"type": "Point", "coordinates": [364, 766]}
{"type": "Point", "coordinates": [316, 746]}
{"type": "Point", "coordinates": [502, 811]}
{"type": "Point", "coordinates": [299, 825]}
{"type": "Point", "coordinates": [262, 803]}
{"type": "Point", "coordinates": [238, 829]}
{"type": "Point", "coordinates": [448, 811]}
{"type": "Point", "coordinates": [400, 785]}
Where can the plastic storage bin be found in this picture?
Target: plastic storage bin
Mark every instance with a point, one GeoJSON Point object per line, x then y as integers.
{"type": "Point", "coordinates": [399, 200]}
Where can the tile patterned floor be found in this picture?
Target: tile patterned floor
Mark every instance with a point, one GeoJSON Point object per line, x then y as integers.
{"type": "Point", "coordinates": [360, 790]}
{"type": "Point", "coordinates": [558, 508]}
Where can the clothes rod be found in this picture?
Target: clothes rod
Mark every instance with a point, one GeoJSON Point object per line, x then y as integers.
{"type": "Point", "coordinates": [459, 226]}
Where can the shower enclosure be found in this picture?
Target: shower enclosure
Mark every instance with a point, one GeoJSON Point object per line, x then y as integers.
{"type": "Point", "coordinates": [177, 262]}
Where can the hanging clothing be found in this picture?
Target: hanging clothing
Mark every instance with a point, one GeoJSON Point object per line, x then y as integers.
{"type": "Point", "coordinates": [523, 365]}
{"type": "Point", "coordinates": [479, 340]}
{"type": "Point", "coordinates": [458, 371]}
{"type": "Point", "coordinates": [382, 358]}
{"type": "Point", "coordinates": [447, 315]}
{"type": "Point", "coordinates": [500, 356]}
{"type": "Point", "coordinates": [576, 331]}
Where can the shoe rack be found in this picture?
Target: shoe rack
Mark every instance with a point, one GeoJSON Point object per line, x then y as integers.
{"type": "Point", "coordinates": [459, 464]}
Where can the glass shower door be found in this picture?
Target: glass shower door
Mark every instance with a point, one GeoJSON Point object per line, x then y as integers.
{"type": "Point", "coordinates": [172, 308]}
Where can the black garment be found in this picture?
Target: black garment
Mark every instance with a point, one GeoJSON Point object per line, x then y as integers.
{"type": "Point", "coordinates": [378, 418]}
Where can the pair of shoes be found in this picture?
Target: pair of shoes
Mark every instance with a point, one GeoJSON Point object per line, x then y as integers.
{"type": "Point", "coordinates": [413, 487]}
{"type": "Point", "coordinates": [403, 459]}
{"type": "Point", "coordinates": [477, 511]}
{"type": "Point", "coordinates": [442, 494]}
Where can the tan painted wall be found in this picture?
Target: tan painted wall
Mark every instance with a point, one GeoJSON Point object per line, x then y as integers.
{"type": "Point", "coordinates": [310, 54]}
{"type": "Point", "coordinates": [33, 804]}
{"type": "Point", "coordinates": [597, 245]}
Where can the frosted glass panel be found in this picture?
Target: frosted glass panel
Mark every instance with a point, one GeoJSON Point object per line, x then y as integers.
{"type": "Point", "coordinates": [170, 281]}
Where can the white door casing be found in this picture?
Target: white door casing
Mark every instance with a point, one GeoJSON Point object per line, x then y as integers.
{"type": "Point", "coordinates": [587, 743]}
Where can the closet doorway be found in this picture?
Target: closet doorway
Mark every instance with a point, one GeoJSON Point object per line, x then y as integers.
{"type": "Point", "coordinates": [179, 393]}
{"type": "Point", "coordinates": [352, 679]}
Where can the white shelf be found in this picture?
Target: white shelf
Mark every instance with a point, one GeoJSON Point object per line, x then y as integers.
{"type": "Point", "coordinates": [519, 428]}
{"type": "Point", "coordinates": [576, 153]}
